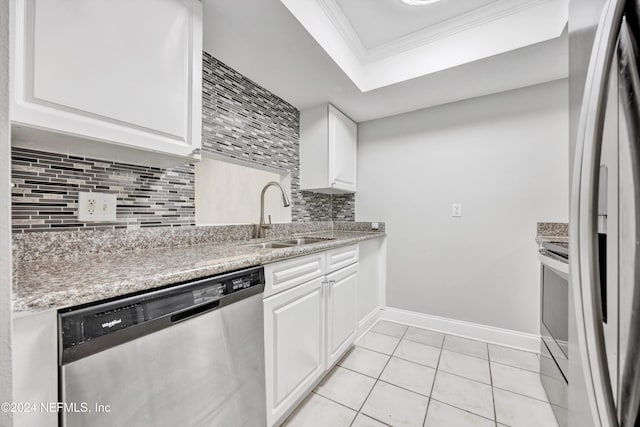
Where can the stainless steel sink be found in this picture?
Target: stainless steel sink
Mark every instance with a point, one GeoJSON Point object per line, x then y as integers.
{"type": "Point", "coordinates": [288, 243]}
{"type": "Point", "coordinates": [273, 245]}
{"type": "Point", "coordinates": [303, 241]}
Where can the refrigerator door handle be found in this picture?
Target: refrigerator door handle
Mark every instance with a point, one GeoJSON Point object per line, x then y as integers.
{"type": "Point", "coordinates": [630, 101]}
{"type": "Point", "coordinates": [583, 233]}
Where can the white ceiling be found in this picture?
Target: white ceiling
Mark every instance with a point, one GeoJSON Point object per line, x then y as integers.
{"type": "Point", "coordinates": [377, 22]}
{"type": "Point", "coordinates": [470, 35]}
{"type": "Point", "coordinates": [262, 40]}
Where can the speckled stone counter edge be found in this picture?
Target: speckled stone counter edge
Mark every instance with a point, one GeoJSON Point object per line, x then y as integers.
{"type": "Point", "coordinates": [552, 232]}
{"type": "Point", "coordinates": [70, 244]}
{"type": "Point", "coordinates": [34, 295]}
{"type": "Point", "coordinates": [553, 229]}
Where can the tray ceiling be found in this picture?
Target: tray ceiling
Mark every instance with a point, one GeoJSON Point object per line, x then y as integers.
{"type": "Point", "coordinates": [384, 42]}
{"type": "Point", "coordinates": [265, 42]}
{"type": "Point", "coordinates": [382, 21]}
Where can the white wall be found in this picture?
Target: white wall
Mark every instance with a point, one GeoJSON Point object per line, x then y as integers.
{"type": "Point", "coordinates": [228, 192]}
{"type": "Point", "coordinates": [505, 158]}
{"type": "Point", "coordinates": [5, 218]}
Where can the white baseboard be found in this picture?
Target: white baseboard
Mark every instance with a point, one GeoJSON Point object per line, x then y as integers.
{"type": "Point", "coordinates": [499, 336]}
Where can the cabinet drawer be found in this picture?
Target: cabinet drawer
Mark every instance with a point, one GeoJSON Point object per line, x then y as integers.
{"type": "Point", "coordinates": [287, 274]}
{"type": "Point", "coordinates": [341, 257]}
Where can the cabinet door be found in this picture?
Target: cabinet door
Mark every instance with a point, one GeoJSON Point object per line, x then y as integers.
{"type": "Point", "coordinates": [35, 366]}
{"type": "Point", "coordinates": [294, 345]}
{"type": "Point", "coordinates": [342, 316]}
{"type": "Point", "coordinates": [343, 139]}
{"type": "Point", "coordinates": [121, 72]}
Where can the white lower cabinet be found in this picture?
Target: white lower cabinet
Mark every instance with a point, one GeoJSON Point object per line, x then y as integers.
{"type": "Point", "coordinates": [308, 328]}
{"type": "Point", "coordinates": [294, 344]}
{"type": "Point", "coordinates": [342, 315]}
{"type": "Point", "coordinates": [35, 367]}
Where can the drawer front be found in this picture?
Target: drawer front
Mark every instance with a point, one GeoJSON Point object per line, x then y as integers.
{"type": "Point", "coordinates": [342, 257]}
{"type": "Point", "coordinates": [285, 275]}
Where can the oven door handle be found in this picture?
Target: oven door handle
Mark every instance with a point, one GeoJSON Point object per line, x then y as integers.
{"type": "Point", "coordinates": [554, 262]}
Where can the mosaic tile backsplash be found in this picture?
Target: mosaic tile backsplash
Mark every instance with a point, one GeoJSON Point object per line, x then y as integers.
{"type": "Point", "coordinates": [244, 121]}
{"type": "Point", "coordinates": [240, 120]}
{"type": "Point", "coordinates": [46, 186]}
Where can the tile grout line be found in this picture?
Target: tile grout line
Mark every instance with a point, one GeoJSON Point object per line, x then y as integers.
{"type": "Point", "coordinates": [516, 367]}
{"type": "Point", "coordinates": [523, 395]}
{"type": "Point", "coordinates": [381, 372]}
{"type": "Point", "coordinates": [457, 336]}
{"type": "Point", "coordinates": [437, 370]}
{"type": "Point", "coordinates": [331, 400]}
{"type": "Point", "coordinates": [493, 397]}
{"type": "Point", "coordinates": [435, 376]}
{"type": "Point", "coordinates": [463, 410]}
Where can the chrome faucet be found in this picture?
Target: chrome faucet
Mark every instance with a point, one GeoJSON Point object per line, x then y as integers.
{"type": "Point", "coordinates": [285, 202]}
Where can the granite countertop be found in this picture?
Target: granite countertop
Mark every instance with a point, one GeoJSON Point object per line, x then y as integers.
{"type": "Point", "coordinates": [552, 232]}
{"type": "Point", "coordinates": [54, 284]}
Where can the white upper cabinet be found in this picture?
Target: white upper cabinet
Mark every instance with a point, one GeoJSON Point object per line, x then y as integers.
{"type": "Point", "coordinates": [117, 80]}
{"type": "Point", "coordinates": [328, 150]}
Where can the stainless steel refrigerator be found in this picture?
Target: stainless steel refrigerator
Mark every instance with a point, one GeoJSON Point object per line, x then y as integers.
{"type": "Point", "coordinates": [604, 330]}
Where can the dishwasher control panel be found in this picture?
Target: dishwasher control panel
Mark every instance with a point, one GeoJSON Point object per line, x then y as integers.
{"type": "Point", "coordinates": [103, 323]}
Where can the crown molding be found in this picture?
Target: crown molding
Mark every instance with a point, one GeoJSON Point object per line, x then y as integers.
{"type": "Point", "coordinates": [475, 18]}
{"type": "Point", "coordinates": [478, 34]}
{"type": "Point", "coordinates": [334, 12]}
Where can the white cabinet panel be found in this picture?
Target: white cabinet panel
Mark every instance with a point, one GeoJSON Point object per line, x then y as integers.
{"type": "Point", "coordinates": [127, 73]}
{"type": "Point", "coordinates": [342, 257]}
{"type": "Point", "coordinates": [371, 277]}
{"type": "Point", "coordinates": [294, 345]}
{"type": "Point", "coordinates": [342, 321]}
{"type": "Point", "coordinates": [343, 140]}
{"type": "Point", "coordinates": [311, 319]}
{"type": "Point", "coordinates": [328, 150]}
{"type": "Point", "coordinates": [288, 274]}
{"type": "Point", "coordinates": [35, 366]}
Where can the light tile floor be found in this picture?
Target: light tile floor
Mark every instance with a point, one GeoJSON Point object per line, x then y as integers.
{"type": "Point", "coordinates": [401, 376]}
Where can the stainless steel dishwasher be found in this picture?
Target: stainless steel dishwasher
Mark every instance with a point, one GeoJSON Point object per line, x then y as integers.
{"type": "Point", "coordinates": [186, 355]}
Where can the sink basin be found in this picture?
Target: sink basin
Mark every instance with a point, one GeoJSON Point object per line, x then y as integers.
{"type": "Point", "coordinates": [288, 243]}
{"type": "Point", "coordinates": [273, 245]}
{"type": "Point", "coordinates": [303, 241]}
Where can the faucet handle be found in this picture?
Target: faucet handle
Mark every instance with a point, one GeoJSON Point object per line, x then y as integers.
{"type": "Point", "coordinates": [269, 219]}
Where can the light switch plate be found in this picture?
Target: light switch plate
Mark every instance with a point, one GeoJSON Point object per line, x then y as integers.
{"type": "Point", "coordinates": [456, 210]}
{"type": "Point", "coordinates": [97, 207]}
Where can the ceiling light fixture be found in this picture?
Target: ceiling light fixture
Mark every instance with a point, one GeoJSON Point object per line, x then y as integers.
{"type": "Point", "coordinates": [419, 2]}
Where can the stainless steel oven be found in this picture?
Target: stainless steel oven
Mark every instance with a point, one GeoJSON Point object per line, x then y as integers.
{"type": "Point", "coordinates": [554, 316]}
{"type": "Point", "coordinates": [554, 325]}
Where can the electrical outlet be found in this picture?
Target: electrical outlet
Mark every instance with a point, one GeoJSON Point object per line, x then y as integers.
{"type": "Point", "coordinates": [96, 207]}
{"type": "Point", "coordinates": [375, 226]}
{"type": "Point", "coordinates": [456, 210]}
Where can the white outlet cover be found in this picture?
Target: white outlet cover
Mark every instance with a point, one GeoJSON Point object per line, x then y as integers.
{"type": "Point", "coordinates": [97, 207]}
{"type": "Point", "coordinates": [375, 226]}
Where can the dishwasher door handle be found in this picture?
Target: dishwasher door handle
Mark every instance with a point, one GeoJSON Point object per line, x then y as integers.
{"type": "Point", "coordinates": [194, 311]}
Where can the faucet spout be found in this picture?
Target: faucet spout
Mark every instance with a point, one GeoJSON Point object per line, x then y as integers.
{"type": "Point", "coordinates": [285, 203]}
